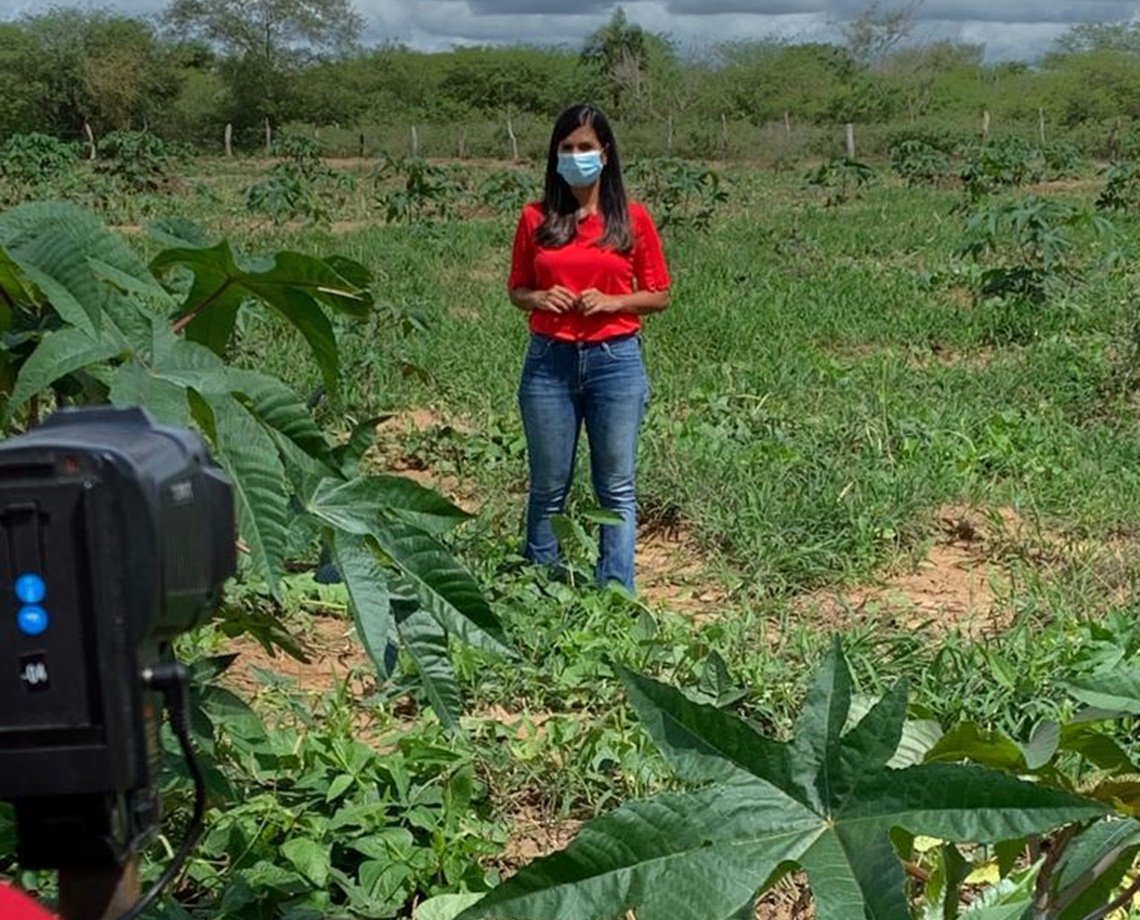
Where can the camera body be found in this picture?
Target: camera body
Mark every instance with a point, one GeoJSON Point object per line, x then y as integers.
{"type": "Point", "coordinates": [116, 534]}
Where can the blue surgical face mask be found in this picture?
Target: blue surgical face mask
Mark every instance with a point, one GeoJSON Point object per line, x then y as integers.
{"type": "Point", "coordinates": [580, 169]}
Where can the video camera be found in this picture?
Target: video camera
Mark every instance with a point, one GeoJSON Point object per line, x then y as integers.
{"type": "Point", "coordinates": [116, 535]}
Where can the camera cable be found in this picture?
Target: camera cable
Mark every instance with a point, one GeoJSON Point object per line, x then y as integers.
{"type": "Point", "coordinates": [171, 679]}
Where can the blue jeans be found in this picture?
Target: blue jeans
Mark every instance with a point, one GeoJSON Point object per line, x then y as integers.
{"type": "Point", "coordinates": [602, 384]}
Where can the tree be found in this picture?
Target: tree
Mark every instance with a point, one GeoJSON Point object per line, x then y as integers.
{"type": "Point", "coordinates": [1123, 37]}
{"type": "Point", "coordinates": [619, 50]}
{"type": "Point", "coordinates": [22, 105]}
{"type": "Point", "coordinates": [99, 67]}
{"type": "Point", "coordinates": [878, 29]}
{"type": "Point", "coordinates": [265, 39]}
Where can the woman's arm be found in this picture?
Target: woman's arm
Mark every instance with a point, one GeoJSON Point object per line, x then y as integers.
{"type": "Point", "coordinates": [639, 302]}
{"type": "Point", "coordinates": [557, 299]}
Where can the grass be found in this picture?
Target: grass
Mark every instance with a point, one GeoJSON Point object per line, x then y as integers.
{"type": "Point", "coordinates": [824, 381]}
{"type": "Point", "coordinates": [824, 384]}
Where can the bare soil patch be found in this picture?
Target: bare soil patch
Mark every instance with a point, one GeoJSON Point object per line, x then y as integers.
{"type": "Point", "coordinates": [334, 655]}
{"type": "Point", "coordinates": [533, 834]}
{"type": "Point", "coordinates": [673, 574]}
{"type": "Point", "coordinates": [957, 586]}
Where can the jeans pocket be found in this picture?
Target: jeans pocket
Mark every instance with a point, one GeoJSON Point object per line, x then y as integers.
{"type": "Point", "coordinates": [626, 349]}
{"type": "Point", "coordinates": [538, 347]}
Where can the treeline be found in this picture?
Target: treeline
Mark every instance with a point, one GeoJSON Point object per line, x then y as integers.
{"type": "Point", "coordinates": [186, 75]}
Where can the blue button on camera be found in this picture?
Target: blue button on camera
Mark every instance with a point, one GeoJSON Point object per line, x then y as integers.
{"type": "Point", "coordinates": [30, 589]}
{"type": "Point", "coordinates": [33, 621]}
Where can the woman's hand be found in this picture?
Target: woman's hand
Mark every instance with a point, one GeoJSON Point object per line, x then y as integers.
{"type": "Point", "coordinates": [593, 301]}
{"type": "Point", "coordinates": [557, 299]}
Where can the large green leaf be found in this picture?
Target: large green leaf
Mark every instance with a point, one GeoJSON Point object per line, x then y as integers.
{"type": "Point", "coordinates": [354, 504]}
{"type": "Point", "coordinates": [59, 354]}
{"type": "Point", "coordinates": [297, 286]}
{"type": "Point", "coordinates": [426, 641]}
{"type": "Point", "coordinates": [444, 588]}
{"type": "Point", "coordinates": [367, 593]}
{"type": "Point", "coordinates": [248, 455]}
{"type": "Point", "coordinates": [441, 584]}
{"type": "Point", "coordinates": [1093, 865]}
{"type": "Point", "coordinates": [272, 402]}
{"type": "Point", "coordinates": [1116, 690]}
{"type": "Point", "coordinates": [57, 247]}
{"type": "Point", "coordinates": [826, 801]}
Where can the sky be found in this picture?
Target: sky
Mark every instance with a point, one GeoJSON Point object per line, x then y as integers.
{"type": "Point", "coordinates": [1009, 29]}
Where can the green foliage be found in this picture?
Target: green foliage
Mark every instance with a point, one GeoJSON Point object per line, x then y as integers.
{"type": "Point", "coordinates": [507, 190]}
{"type": "Point", "coordinates": [318, 823]}
{"type": "Point", "coordinates": [918, 163]}
{"type": "Point", "coordinates": [412, 191]}
{"type": "Point", "coordinates": [99, 322]}
{"type": "Point", "coordinates": [32, 162]}
{"type": "Point", "coordinates": [1026, 246]}
{"type": "Point", "coordinates": [840, 179]}
{"type": "Point", "coordinates": [679, 192]}
{"type": "Point", "coordinates": [836, 800]}
{"type": "Point", "coordinates": [1062, 160]}
{"type": "Point", "coordinates": [1121, 187]}
{"type": "Point", "coordinates": [139, 160]}
{"type": "Point", "coordinates": [1007, 162]}
{"type": "Point", "coordinates": [300, 186]}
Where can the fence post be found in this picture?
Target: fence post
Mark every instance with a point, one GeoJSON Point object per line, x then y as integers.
{"type": "Point", "coordinates": [90, 140]}
{"type": "Point", "coordinates": [229, 139]}
{"type": "Point", "coordinates": [787, 123]}
{"type": "Point", "coordinates": [514, 140]}
{"type": "Point", "coordinates": [361, 147]}
{"type": "Point", "coordinates": [415, 142]}
{"type": "Point", "coordinates": [985, 125]}
{"type": "Point", "coordinates": [850, 141]}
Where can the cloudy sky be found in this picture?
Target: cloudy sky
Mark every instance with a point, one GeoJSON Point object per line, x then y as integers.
{"type": "Point", "coordinates": [1008, 28]}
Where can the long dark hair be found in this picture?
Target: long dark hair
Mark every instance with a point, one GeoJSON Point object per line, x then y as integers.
{"type": "Point", "coordinates": [559, 205]}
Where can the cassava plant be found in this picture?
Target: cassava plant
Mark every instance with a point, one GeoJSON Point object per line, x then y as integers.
{"type": "Point", "coordinates": [844, 800]}
{"type": "Point", "coordinates": [681, 193]}
{"type": "Point", "coordinates": [300, 185]}
{"type": "Point", "coordinates": [89, 321]}
{"type": "Point", "coordinates": [840, 179]}
{"type": "Point", "coordinates": [1025, 246]}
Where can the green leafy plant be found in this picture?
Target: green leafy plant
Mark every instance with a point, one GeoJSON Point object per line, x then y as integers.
{"type": "Point", "coordinates": [1026, 246]}
{"type": "Point", "coordinates": [1121, 190]}
{"type": "Point", "coordinates": [840, 179]}
{"type": "Point", "coordinates": [300, 186]}
{"type": "Point", "coordinates": [1062, 159]}
{"type": "Point", "coordinates": [33, 163]}
{"type": "Point", "coordinates": [317, 823]}
{"type": "Point", "coordinates": [1003, 163]}
{"type": "Point", "coordinates": [918, 163]}
{"type": "Point", "coordinates": [681, 193]}
{"type": "Point", "coordinates": [838, 800]}
{"type": "Point", "coordinates": [96, 323]}
{"type": "Point", "coordinates": [412, 191]}
{"type": "Point", "coordinates": [507, 190]}
{"type": "Point", "coordinates": [138, 160]}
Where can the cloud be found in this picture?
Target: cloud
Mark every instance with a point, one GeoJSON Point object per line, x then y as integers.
{"type": "Point", "coordinates": [1008, 28]}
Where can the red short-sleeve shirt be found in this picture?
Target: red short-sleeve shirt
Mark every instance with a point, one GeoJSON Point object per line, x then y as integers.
{"type": "Point", "coordinates": [581, 265]}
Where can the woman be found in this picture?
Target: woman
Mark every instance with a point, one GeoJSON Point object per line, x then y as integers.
{"type": "Point", "coordinates": [587, 264]}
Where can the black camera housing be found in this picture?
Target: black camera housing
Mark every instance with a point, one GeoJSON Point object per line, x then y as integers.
{"type": "Point", "coordinates": [117, 535]}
